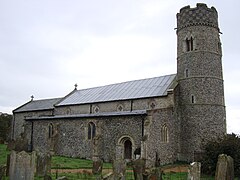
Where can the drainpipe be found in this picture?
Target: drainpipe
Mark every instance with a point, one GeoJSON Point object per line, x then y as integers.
{"type": "Point", "coordinates": [131, 105]}
{"type": "Point", "coordinates": [142, 126]}
{"type": "Point", "coordinates": [13, 127]}
{"type": "Point", "coordinates": [31, 143]}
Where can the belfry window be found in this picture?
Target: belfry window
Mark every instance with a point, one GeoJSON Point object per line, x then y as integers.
{"type": "Point", "coordinates": [91, 130]}
{"type": "Point", "coordinates": [164, 134]}
{"type": "Point", "coordinates": [189, 44]}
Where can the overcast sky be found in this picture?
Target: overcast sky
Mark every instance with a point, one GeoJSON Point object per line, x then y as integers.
{"type": "Point", "coordinates": [46, 46]}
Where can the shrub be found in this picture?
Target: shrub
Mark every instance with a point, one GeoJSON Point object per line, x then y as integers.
{"type": "Point", "coordinates": [5, 121]}
{"type": "Point", "coordinates": [229, 145]}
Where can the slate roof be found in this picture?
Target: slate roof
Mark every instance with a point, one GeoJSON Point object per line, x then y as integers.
{"type": "Point", "coordinates": [143, 88]}
{"type": "Point", "coordinates": [35, 105]}
{"type": "Point", "coordinates": [137, 89]}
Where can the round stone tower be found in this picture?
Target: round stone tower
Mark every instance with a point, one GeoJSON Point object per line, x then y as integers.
{"type": "Point", "coordinates": [200, 81]}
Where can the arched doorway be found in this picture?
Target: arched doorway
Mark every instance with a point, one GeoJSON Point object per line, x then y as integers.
{"type": "Point", "coordinates": [128, 149]}
{"type": "Point", "coordinates": [127, 145]}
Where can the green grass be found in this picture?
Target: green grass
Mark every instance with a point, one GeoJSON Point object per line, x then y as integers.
{"type": "Point", "coordinates": [3, 154]}
{"type": "Point", "coordinates": [61, 162]}
{"type": "Point", "coordinates": [72, 176]}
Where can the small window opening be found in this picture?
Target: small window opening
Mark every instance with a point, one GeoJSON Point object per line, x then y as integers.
{"type": "Point", "coordinates": [186, 73]}
{"type": "Point", "coordinates": [120, 108]}
{"type": "Point", "coordinates": [219, 46]}
{"type": "Point", "coordinates": [193, 100]}
{"type": "Point", "coordinates": [96, 109]}
{"type": "Point", "coordinates": [153, 105]}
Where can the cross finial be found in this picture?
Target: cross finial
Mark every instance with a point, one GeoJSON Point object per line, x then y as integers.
{"type": "Point", "coordinates": [76, 86]}
{"type": "Point", "coordinates": [32, 97]}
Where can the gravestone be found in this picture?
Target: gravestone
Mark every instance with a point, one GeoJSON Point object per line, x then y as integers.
{"type": "Point", "coordinates": [225, 168]}
{"type": "Point", "coordinates": [2, 171]}
{"type": "Point", "coordinates": [97, 165]}
{"type": "Point", "coordinates": [8, 164]}
{"type": "Point", "coordinates": [47, 177]}
{"type": "Point", "coordinates": [43, 166]}
{"type": "Point", "coordinates": [139, 167]}
{"type": "Point", "coordinates": [119, 169]}
{"type": "Point", "coordinates": [194, 171]}
{"type": "Point", "coordinates": [22, 165]}
{"type": "Point", "coordinates": [97, 162]}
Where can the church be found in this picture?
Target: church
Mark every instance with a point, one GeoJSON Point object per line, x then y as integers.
{"type": "Point", "coordinates": [172, 116]}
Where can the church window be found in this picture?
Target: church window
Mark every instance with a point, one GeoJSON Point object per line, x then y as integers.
{"type": "Point", "coordinates": [189, 44]}
{"type": "Point", "coordinates": [68, 111]}
{"type": "Point", "coordinates": [193, 99]}
{"type": "Point", "coordinates": [91, 130]}
{"type": "Point", "coordinates": [120, 107]}
{"type": "Point", "coordinates": [50, 130]}
{"type": "Point", "coordinates": [164, 133]}
{"type": "Point", "coordinates": [96, 109]}
{"type": "Point", "coordinates": [152, 104]}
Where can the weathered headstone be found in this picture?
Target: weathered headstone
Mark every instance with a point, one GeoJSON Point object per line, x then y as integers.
{"type": "Point", "coordinates": [8, 164]}
{"type": "Point", "coordinates": [139, 167]}
{"type": "Point", "coordinates": [97, 162]}
{"type": "Point", "coordinates": [47, 177]}
{"type": "Point", "coordinates": [2, 171]}
{"type": "Point", "coordinates": [119, 169]}
{"type": "Point", "coordinates": [43, 166]}
{"type": "Point", "coordinates": [97, 165]}
{"type": "Point", "coordinates": [194, 171]}
{"type": "Point", "coordinates": [22, 165]}
{"type": "Point", "coordinates": [225, 168]}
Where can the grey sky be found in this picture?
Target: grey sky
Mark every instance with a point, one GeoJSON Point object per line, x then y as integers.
{"type": "Point", "coordinates": [47, 46]}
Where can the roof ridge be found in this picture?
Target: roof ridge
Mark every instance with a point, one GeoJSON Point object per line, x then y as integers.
{"type": "Point", "coordinates": [46, 99]}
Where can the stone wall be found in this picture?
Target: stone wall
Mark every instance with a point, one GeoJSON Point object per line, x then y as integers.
{"type": "Point", "coordinates": [167, 151]}
{"type": "Point", "coordinates": [72, 135]}
{"type": "Point", "coordinates": [19, 124]}
{"type": "Point", "coordinates": [127, 105]}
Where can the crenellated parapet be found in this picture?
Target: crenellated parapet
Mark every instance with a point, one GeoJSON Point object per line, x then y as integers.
{"type": "Point", "coordinates": [198, 16]}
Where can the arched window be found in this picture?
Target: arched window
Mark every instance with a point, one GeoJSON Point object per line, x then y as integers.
{"type": "Point", "coordinates": [164, 133]}
{"type": "Point", "coordinates": [91, 130]}
{"type": "Point", "coordinates": [50, 130]}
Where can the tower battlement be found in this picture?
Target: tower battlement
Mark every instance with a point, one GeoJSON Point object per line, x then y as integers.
{"type": "Point", "coordinates": [197, 16]}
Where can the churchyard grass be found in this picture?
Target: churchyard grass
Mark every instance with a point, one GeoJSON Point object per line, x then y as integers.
{"type": "Point", "coordinates": [3, 154]}
{"type": "Point", "coordinates": [61, 162]}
